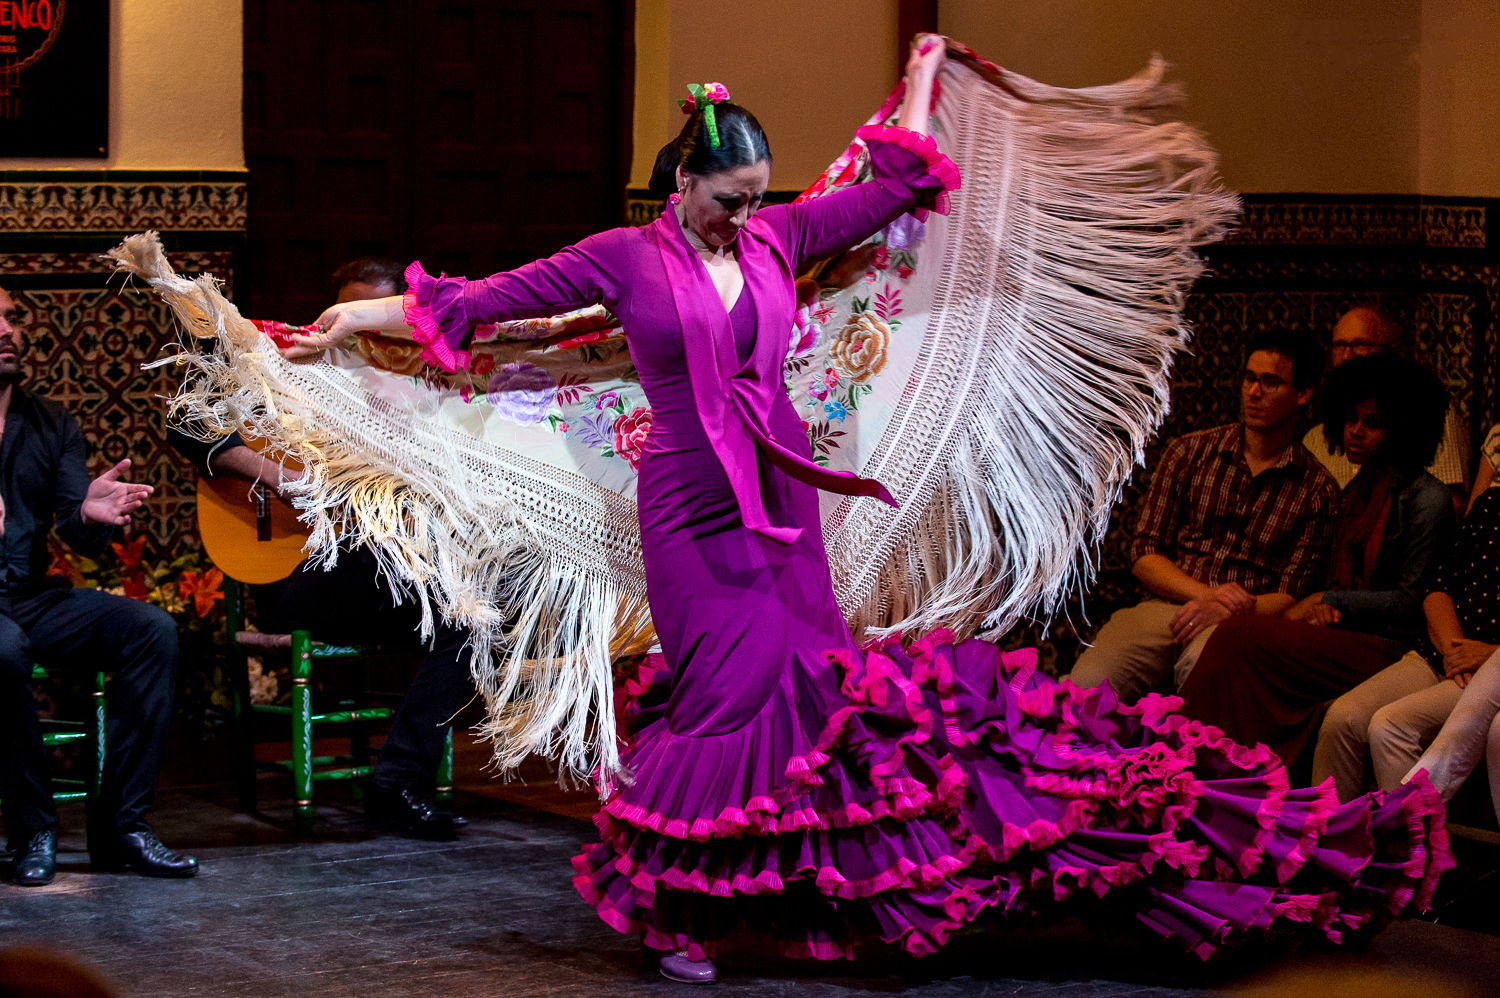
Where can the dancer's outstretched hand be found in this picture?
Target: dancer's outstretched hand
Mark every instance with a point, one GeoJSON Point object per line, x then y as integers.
{"type": "Point", "coordinates": [343, 320]}
{"type": "Point", "coordinates": [110, 500]}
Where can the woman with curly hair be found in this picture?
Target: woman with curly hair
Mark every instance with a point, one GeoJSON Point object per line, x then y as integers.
{"type": "Point", "coordinates": [1269, 680]}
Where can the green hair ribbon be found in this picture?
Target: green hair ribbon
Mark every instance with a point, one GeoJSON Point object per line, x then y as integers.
{"type": "Point", "coordinates": [705, 96]}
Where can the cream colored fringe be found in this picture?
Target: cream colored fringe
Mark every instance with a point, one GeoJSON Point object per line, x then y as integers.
{"type": "Point", "coordinates": [1047, 350]}
{"type": "Point", "coordinates": [531, 568]}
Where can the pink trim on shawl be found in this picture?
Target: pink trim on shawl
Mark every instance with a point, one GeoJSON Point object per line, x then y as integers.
{"type": "Point", "coordinates": [425, 330]}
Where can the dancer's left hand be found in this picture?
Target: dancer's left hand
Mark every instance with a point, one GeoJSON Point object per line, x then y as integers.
{"type": "Point", "coordinates": [927, 54]}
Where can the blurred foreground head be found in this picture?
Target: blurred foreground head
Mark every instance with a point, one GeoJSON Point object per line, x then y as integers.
{"type": "Point", "coordinates": [39, 972]}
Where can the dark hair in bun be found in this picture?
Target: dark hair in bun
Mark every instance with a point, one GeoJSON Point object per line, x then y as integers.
{"type": "Point", "coordinates": [742, 142]}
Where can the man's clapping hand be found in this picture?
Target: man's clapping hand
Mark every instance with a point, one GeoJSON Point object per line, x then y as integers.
{"type": "Point", "coordinates": [110, 500]}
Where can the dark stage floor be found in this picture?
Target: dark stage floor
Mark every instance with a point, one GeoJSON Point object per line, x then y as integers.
{"type": "Point", "coordinates": [354, 913]}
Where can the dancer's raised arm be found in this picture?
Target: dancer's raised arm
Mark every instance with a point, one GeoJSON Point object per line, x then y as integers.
{"type": "Point", "coordinates": [910, 173]}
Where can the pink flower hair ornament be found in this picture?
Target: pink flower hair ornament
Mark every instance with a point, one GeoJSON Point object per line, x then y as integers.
{"type": "Point", "coordinates": [706, 95]}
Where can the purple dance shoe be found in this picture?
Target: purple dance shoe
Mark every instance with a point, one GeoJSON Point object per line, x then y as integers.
{"type": "Point", "coordinates": [677, 967]}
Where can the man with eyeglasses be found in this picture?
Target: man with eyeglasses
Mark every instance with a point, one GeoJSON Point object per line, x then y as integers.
{"type": "Point", "coordinates": [1237, 520]}
{"type": "Point", "coordinates": [1363, 331]}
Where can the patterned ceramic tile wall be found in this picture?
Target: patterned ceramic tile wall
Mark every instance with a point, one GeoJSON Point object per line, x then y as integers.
{"type": "Point", "coordinates": [89, 334]}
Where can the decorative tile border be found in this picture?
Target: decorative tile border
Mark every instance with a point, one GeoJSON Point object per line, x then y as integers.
{"type": "Point", "coordinates": [1394, 223]}
{"type": "Point", "coordinates": [40, 203]}
{"type": "Point", "coordinates": [218, 262]}
{"type": "Point", "coordinates": [1290, 222]}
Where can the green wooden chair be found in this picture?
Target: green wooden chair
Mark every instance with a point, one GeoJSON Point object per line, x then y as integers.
{"type": "Point", "coordinates": [56, 732]}
{"type": "Point", "coordinates": [305, 768]}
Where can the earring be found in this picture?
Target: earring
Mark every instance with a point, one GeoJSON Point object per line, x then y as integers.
{"type": "Point", "coordinates": [677, 197]}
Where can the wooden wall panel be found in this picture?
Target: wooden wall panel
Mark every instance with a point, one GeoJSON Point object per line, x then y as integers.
{"type": "Point", "coordinates": [476, 136]}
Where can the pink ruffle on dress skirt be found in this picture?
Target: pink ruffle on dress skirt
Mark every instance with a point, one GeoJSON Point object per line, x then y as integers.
{"type": "Point", "coordinates": [895, 795]}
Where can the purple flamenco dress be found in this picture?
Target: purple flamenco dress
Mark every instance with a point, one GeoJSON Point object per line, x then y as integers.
{"type": "Point", "coordinates": [790, 782]}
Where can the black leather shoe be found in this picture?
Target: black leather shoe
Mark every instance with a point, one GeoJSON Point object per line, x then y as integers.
{"type": "Point", "coordinates": [406, 811]}
{"type": "Point", "coordinates": [36, 864]}
{"type": "Point", "coordinates": [144, 853]}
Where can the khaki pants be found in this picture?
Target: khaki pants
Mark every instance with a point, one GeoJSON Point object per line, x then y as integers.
{"type": "Point", "coordinates": [1470, 732]}
{"type": "Point", "coordinates": [1349, 729]}
{"type": "Point", "coordinates": [1136, 653]}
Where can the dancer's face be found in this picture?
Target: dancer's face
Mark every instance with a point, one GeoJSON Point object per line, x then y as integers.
{"type": "Point", "coordinates": [715, 207]}
{"type": "Point", "coordinates": [364, 290]}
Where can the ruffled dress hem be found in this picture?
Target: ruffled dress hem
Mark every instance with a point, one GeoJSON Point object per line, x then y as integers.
{"type": "Point", "coordinates": [947, 779]}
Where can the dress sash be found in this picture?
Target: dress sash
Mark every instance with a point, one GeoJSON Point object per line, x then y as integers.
{"type": "Point", "coordinates": [734, 401]}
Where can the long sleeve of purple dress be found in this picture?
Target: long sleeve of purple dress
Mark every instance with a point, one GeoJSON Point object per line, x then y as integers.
{"type": "Point", "coordinates": [908, 173]}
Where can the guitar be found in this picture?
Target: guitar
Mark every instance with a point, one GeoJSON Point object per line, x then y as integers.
{"type": "Point", "coordinates": [247, 532]}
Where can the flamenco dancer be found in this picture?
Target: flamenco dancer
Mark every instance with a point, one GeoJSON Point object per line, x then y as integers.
{"type": "Point", "coordinates": [789, 781]}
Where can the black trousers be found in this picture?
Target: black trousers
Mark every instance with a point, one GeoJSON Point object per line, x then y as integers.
{"type": "Point", "coordinates": [350, 604]}
{"type": "Point", "coordinates": [86, 629]}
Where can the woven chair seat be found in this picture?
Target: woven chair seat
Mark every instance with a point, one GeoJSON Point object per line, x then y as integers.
{"type": "Point", "coordinates": [259, 639]}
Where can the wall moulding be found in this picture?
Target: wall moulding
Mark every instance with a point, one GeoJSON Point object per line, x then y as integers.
{"type": "Point", "coordinates": [51, 202]}
{"type": "Point", "coordinates": [1313, 220]}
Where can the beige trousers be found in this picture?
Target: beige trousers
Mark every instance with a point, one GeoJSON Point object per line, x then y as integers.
{"type": "Point", "coordinates": [1349, 732]}
{"type": "Point", "coordinates": [1470, 733]}
{"type": "Point", "coordinates": [1136, 653]}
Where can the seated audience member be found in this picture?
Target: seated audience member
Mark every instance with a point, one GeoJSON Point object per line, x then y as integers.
{"type": "Point", "coordinates": [1451, 682]}
{"type": "Point", "coordinates": [1484, 475]}
{"type": "Point", "coordinates": [1470, 733]}
{"type": "Point", "coordinates": [1267, 680]}
{"type": "Point", "coordinates": [1364, 332]}
{"type": "Point", "coordinates": [46, 483]}
{"type": "Point", "coordinates": [1236, 523]}
{"type": "Point", "coordinates": [352, 604]}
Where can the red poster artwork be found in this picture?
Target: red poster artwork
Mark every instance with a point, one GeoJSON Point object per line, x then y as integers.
{"type": "Point", "coordinates": [54, 78]}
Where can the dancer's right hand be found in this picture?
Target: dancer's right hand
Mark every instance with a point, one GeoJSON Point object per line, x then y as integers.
{"type": "Point", "coordinates": [347, 318]}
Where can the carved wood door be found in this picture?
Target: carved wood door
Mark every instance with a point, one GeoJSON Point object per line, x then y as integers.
{"type": "Point", "coordinates": [474, 136]}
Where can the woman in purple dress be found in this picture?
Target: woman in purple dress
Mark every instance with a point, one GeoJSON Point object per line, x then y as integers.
{"type": "Point", "coordinates": [788, 781]}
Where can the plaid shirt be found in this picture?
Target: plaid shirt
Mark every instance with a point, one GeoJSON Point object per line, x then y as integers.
{"type": "Point", "coordinates": [1268, 532]}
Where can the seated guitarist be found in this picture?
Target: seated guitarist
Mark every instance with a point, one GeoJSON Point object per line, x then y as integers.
{"type": "Point", "coordinates": [350, 604]}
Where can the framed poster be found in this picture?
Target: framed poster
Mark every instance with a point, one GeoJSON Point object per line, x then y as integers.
{"type": "Point", "coordinates": [54, 78]}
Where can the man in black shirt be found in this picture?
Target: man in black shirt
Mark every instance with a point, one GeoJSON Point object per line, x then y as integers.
{"type": "Point", "coordinates": [45, 482]}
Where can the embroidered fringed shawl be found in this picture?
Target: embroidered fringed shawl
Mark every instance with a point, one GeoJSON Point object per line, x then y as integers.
{"type": "Point", "coordinates": [999, 369]}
